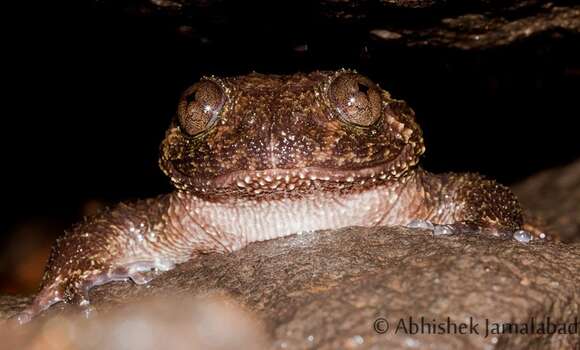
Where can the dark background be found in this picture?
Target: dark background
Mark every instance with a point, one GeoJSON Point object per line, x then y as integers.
{"type": "Point", "coordinates": [88, 92]}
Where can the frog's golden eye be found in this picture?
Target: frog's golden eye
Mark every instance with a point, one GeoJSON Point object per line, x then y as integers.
{"type": "Point", "coordinates": [200, 106]}
{"type": "Point", "coordinates": [357, 99]}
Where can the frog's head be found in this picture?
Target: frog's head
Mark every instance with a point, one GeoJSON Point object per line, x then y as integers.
{"type": "Point", "coordinates": [267, 135]}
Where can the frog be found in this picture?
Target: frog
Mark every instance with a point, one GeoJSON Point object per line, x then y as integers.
{"type": "Point", "coordinates": [262, 156]}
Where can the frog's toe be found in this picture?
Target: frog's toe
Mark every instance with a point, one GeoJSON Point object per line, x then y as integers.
{"type": "Point", "coordinates": [538, 233]}
{"type": "Point", "coordinates": [46, 298]}
{"type": "Point", "coordinates": [421, 224]}
{"type": "Point", "coordinates": [24, 316]}
{"type": "Point", "coordinates": [140, 272]}
{"type": "Point", "coordinates": [436, 229]}
{"type": "Point", "coordinates": [459, 227]}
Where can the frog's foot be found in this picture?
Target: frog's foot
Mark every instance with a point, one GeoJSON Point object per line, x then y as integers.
{"type": "Point", "coordinates": [67, 291]}
{"type": "Point", "coordinates": [75, 289]}
{"type": "Point", "coordinates": [140, 272]}
{"type": "Point", "coordinates": [47, 297]}
{"type": "Point", "coordinates": [469, 227]}
{"type": "Point", "coordinates": [538, 233]}
{"type": "Point", "coordinates": [445, 229]}
{"type": "Point", "coordinates": [70, 291]}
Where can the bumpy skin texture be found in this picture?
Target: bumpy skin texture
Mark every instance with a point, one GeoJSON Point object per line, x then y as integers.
{"type": "Point", "coordinates": [263, 156]}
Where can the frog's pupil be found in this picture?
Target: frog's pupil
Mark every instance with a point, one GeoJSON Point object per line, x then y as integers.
{"type": "Point", "coordinates": [363, 88]}
{"type": "Point", "coordinates": [190, 98]}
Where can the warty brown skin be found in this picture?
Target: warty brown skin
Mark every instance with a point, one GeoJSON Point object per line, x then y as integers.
{"type": "Point", "coordinates": [258, 157]}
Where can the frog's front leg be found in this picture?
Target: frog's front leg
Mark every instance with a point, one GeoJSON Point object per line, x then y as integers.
{"type": "Point", "coordinates": [468, 203]}
{"type": "Point", "coordinates": [131, 241]}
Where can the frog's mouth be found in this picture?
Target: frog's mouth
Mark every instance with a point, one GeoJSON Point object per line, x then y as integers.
{"type": "Point", "coordinates": [288, 182]}
{"type": "Point", "coordinates": [290, 179]}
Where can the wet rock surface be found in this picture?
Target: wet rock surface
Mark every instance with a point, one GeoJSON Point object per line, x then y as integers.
{"type": "Point", "coordinates": [328, 289]}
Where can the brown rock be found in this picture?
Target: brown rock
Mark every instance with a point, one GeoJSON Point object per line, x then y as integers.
{"type": "Point", "coordinates": [432, 23]}
{"type": "Point", "coordinates": [326, 289]}
{"type": "Point", "coordinates": [554, 196]}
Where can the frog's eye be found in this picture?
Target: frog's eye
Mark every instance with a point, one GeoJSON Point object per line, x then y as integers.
{"type": "Point", "coordinates": [356, 99]}
{"type": "Point", "coordinates": [200, 106]}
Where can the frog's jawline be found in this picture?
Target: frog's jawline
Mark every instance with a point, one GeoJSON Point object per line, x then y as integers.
{"type": "Point", "coordinates": [291, 182]}
{"type": "Point", "coordinates": [309, 173]}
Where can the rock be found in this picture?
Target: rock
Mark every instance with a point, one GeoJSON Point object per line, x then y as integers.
{"type": "Point", "coordinates": [431, 23]}
{"type": "Point", "coordinates": [554, 196]}
{"type": "Point", "coordinates": [487, 29]}
{"type": "Point", "coordinates": [326, 289]}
